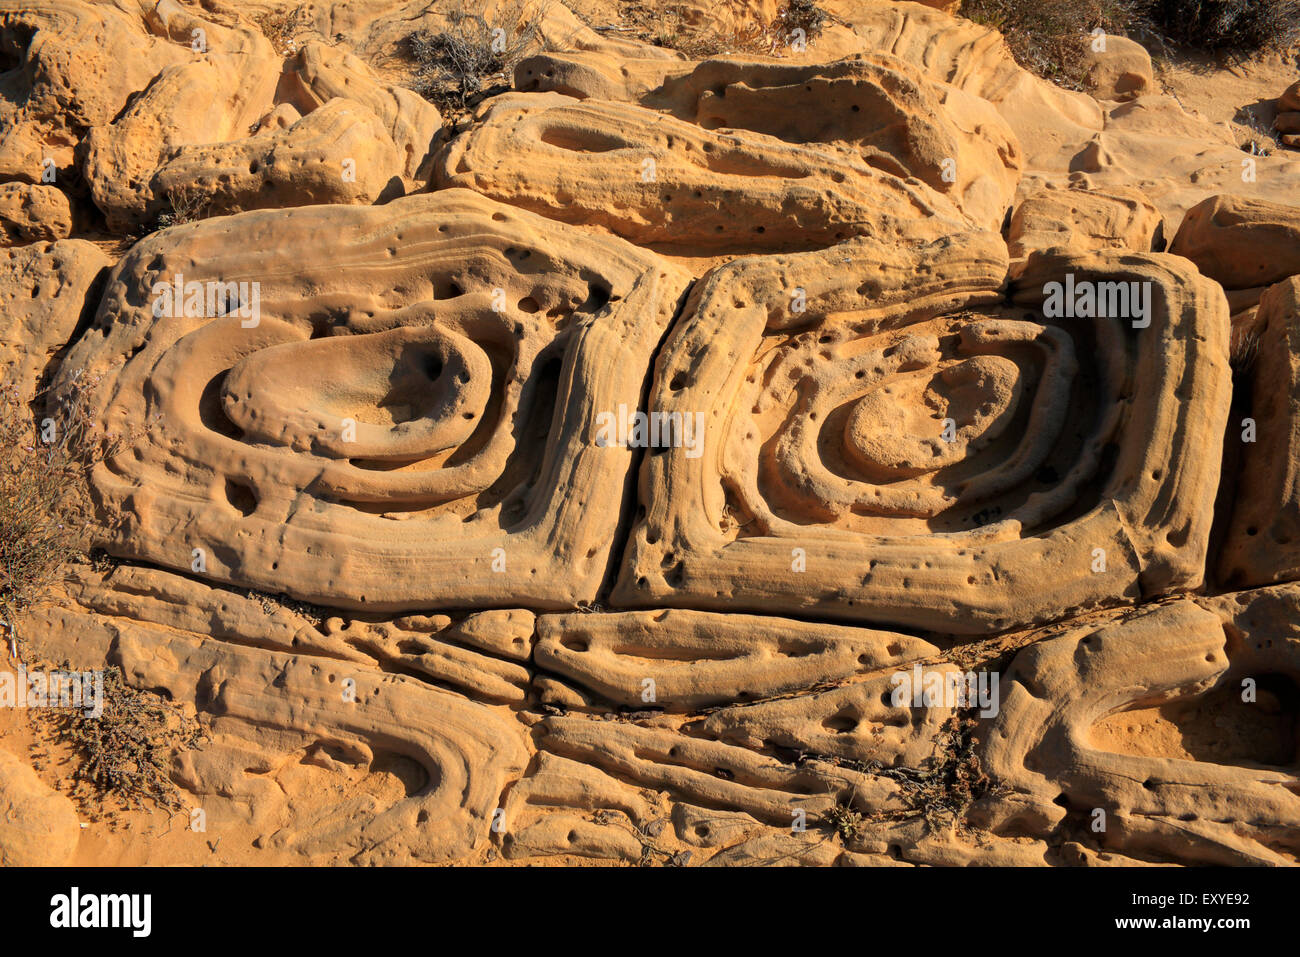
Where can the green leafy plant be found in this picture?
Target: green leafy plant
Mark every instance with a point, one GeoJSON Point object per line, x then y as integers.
{"type": "Point", "coordinates": [844, 821]}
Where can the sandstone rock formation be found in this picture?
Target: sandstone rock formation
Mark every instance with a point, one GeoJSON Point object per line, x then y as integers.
{"type": "Point", "coordinates": [1120, 70]}
{"type": "Point", "coordinates": [38, 826]}
{"type": "Point", "coordinates": [420, 424]}
{"type": "Point", "coordinates": [44, 290]}
{"type": "Point", "coordinates": [1082, 220]}
{"type": "Point", "coordinates": [70, 66]}
{"type": "Point", "coordinates": [450, 755]}
{"type": "Point", "coordinates": [30, 214]}
{"type": "Point", "coordinates": [1142, 721]}
{"type": "Point", "coordinates": [818, 491]}
{"type": "Point", "coordinates": [217, 95]}
{"type": "Point", "coordinates": [1287, 121]}
{"type": "Point", "coordinates": [1241, 243]}
{"type": "Point", "coordinates": [696, 660]}
{"type": "Point", "coordinates": [670, 185]}
{"type": "Point", "coordinates": [357, 141]}
{"type": "Point", "coordinates": [879, 106]}
{"type": "Point", "coordinates": [1148, 141]}
{"type": "Point", "coordinates": [324, 73]}
{"type": "Point", "coordinates": [339, 153]}
{"type": "Point", "coordinates": [1261, 544]}
{"type": "Point", "coordinates": [774, 457]}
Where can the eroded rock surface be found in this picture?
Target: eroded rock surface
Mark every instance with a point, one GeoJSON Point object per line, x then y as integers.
{"type": "Point", "coordinates": [796, 457]}
{"type": "Point", "coordinates": [1144, 721]}
{"type": "Point", "coordinates": [38, 826]}
{"type": "Point", "coordinates": [1287, 121]}
{"type": "Point", "coordinates": [45, 291]}
{"type": "Point", "coordinates": [1261, 544]}
{"type": "Point", "coordinates": [927, 453]}
{"type": "Point", "coordinates": [670, 185]}
{"type": "Point", "coordinates": [891, 114]}
{"type": "Point", "coordinates": [1241, 243]}
{"type": "Point", "coordinates": [441, 409]}
{"type": "Point", "coordinates": [1081, 220]}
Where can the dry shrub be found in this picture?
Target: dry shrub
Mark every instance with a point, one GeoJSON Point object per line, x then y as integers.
{"type": "Point", "coordinates": [1048, 37]}
{"type": "Point", "coordinates": [1238, 26]}
{"type": "Point", "coordinates": [669, 27]}
{"type": "Point", "coordinates": [1243, 350]}
{"type": "Point", "coordinates": [455, 66]}
{"type": "Point", "coordinates": [184, 205]}
{"type": "Point", "coordinates": [802, 15]}
{"type": "Point", "coordinates": [45, 510]}
{"type": "Point", "coordinates": [46, 522]}
{"type": "Point", "coordinates": [127, 751]}
{"type": "Point", "coordinates": [281, 27]}
{"type": "Point", "coordinates": [672, 31]}
{"type": "Point", "coordinates": [943, 789]}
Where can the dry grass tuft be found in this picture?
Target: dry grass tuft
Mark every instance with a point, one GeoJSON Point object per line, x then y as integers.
{"type": "Point", "coordinates": [45, 509]}
{"type": "Point", "coordinates": [126, 752]}
{"type": "Point", "coordinates": [457, 66]}
{"type": "Point", "coordinates": [802, 15]}
{"type": "Point", "coordinates": [1048, 37]}
{"type": "Point", "coordinates": [670, 27]}
{"type": "Point", "coordinates": [184, 205]}
{"type": "Point", "coordinates": [1237, 26]}
{"type": "Point", "coordinates": [1243, 350]}
{"type": "Point", "coordinates": [281, 28]}
{"type": "Point", "coordinates": [951, 781]}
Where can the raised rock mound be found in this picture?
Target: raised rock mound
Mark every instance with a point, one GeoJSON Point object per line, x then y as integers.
{"type": "Point", "coordinates": [1081, 220]}
{"type": "Point", "coordinates": [894, 116]}
{"type": "Point", "coordinates": [1287, 121]}
{"type": "Point", "coordinates": [911, 452]}
{"type": "Point", "coordinates": [429, 384]}
{"type": "Point", "coordinates": [38, 826]}
{"type": "Point", "coordinates": [672, 186]}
